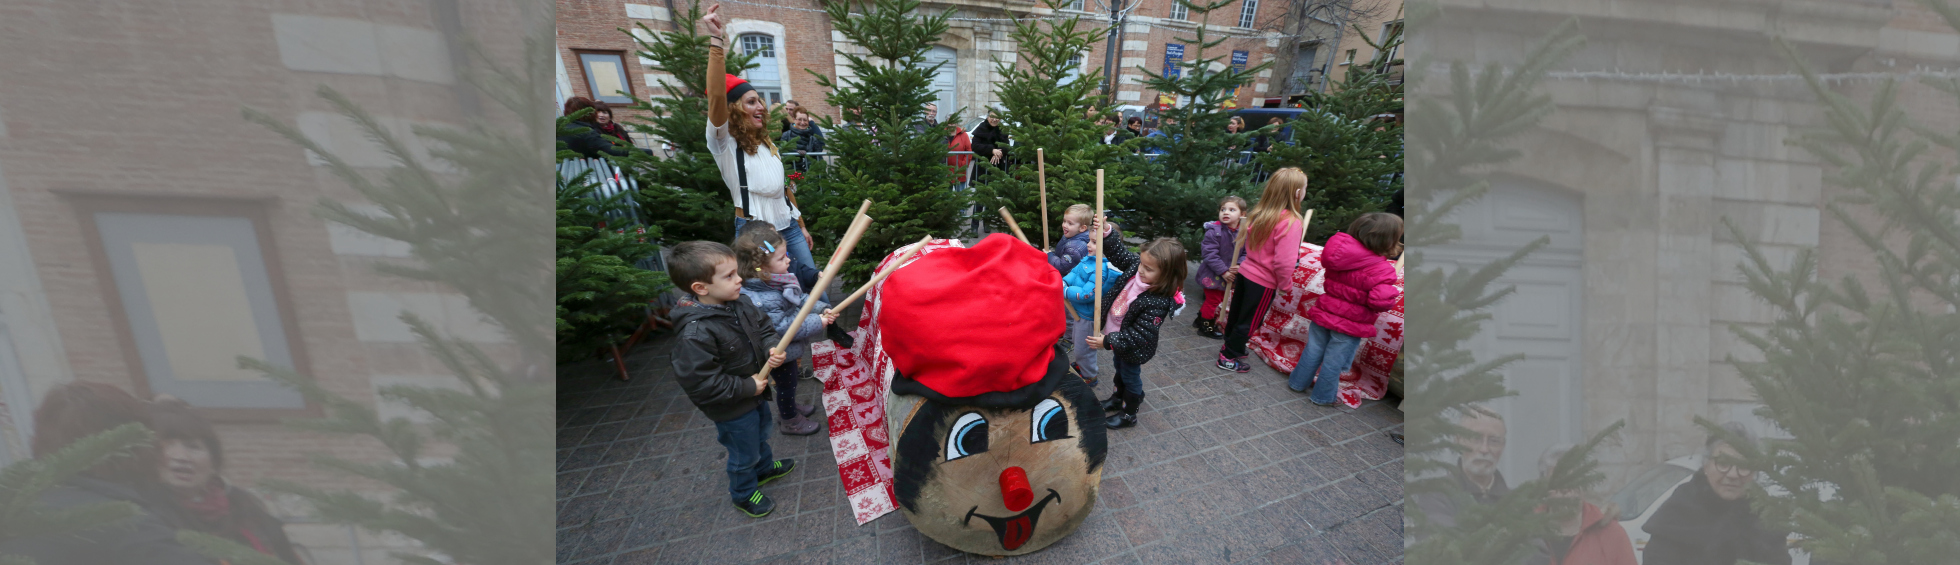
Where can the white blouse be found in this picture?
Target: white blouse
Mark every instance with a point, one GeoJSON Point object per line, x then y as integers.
{"type": "Point", "coordinates": [767, 202]}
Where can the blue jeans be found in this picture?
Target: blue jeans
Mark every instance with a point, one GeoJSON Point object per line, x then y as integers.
{"type": "Point", "coordinates": [800, 261]}
{"type": "Point", "coordinates": [1129, 383]}
{"type": "Point", "coordinates": [1329, 352]}
{"type": "Point", "coordinates": [747, 440]}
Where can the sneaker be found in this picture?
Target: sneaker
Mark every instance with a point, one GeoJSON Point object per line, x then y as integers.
{"type": "Point", "coordinates": [1087, 378]}
{"type": "Point", "coordinates": [806, 409]}
{"type": "Point", "coordinates": [1234, 365]}
{"type": "Point", "coordinates": [1122, 420]}
{"type": "Point", "coordinates": [1327, 405]}
{"type": "Point", "coordinates": [756, 505]}
{"type": "Point", "coordinates": [781, 467]}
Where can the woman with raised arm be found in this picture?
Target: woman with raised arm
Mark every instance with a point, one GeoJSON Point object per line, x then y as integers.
{"type": "Point", "coordinates": [738, 137]}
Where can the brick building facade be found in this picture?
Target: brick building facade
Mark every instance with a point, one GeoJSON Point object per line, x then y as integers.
{"type": "Point", "coordinates": [802, 42]}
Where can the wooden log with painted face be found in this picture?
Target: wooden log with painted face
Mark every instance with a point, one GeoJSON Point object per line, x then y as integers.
{"type": "Point", "coordinates": [998, 450]}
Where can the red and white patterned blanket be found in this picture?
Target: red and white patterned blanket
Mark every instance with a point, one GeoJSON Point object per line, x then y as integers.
{"type": "Point", "coordinates": [1280, 338]}
{"type": "Point", "coordinates": [855, 383]}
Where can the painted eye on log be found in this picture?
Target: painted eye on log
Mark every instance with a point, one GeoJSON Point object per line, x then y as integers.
{"type": "Point", "coordinates": [969, 436]}
{"type": "Point", "coordinates": [1050, 422]}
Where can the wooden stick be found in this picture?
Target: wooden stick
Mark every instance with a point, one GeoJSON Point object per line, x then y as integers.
{"type": "Point", "coordinates": [880, 277]}
{"type": "Point", "coordinates": [1095, 327]}
{"type": "Point", "coordinates": [1225, 304]}
{"type": "Point", "coordinates": [829, 271]}
{"type": "Point", "coordinates": [1041, 176]}
{"type": "Point", "coordinates": [1017, 227]}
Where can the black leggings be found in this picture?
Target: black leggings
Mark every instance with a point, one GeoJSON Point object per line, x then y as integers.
{"type": "Point", "coordinates": [1249, 304]}
{"type": "Point", "coordinates": [784, 378]}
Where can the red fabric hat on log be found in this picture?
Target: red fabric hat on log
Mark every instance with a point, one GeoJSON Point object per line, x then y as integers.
{"type": "Point", "coordinates": [737, 87]}
{"type": "Point", "coordinates": [978, 324]}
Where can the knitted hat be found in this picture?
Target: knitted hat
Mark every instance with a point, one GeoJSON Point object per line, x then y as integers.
{"type": "Point", "coordinates": [737, 87]}
{"type": "Point", "coordinates": [975, 326]}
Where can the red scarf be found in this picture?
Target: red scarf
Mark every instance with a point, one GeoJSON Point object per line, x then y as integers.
{"type": "Point", "coordinates": [213, 506]}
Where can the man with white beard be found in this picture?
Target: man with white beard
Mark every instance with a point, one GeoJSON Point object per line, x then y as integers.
{"type": "Point", "coordinates": [1476, 467]}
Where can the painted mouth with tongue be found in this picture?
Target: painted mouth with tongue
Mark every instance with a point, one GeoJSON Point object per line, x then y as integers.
{"type": "Point", "coordinates": [1014, 531]}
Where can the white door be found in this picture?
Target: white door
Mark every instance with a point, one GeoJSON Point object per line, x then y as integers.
{"type": "Point", "coordinates": [945, 84]}
{"type": "Point", "coordinates": [1543, 320]}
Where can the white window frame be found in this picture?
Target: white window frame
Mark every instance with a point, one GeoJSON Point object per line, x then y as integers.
{"type": "Point", "coordinates": [1077, 5]}
{"type": "Point", "coordinates": [1179, 12]}
{"type": "Point", "coordinates": [740, 27]}
{"type": "Point", "coordinates": [625, 78]}
{"type": "Point", "coordinates": [1247, 12]}
{"type": "Point", "coordinates": [1384, 37]}
{"type": "Point", "coordinates": [1074, 68]}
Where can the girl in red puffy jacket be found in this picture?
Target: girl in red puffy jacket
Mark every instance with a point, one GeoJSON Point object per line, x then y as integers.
{"type": "Point", "coordinates": [1360, 286]}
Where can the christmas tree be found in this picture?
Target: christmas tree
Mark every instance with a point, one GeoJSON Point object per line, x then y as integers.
{"type": "Point", "coordinates": [1459, 132]}
{"type": "Point", "coordinates": [686, 187]}
{"type": "Point", "coordinates": [1184, 172]}
{"type": "Point", "coordinates": [1860, 372]}
{"type": "Point", "coordinates": [602, 293]}
{"type": "Point", "coordinates": [1348, 143]}
{"type": "Point", "coordinates": [22, 516]}
{"type": "Point", "coordinates": [901, 168]}
{"type": "Point", "coordinates": [1053, 108]}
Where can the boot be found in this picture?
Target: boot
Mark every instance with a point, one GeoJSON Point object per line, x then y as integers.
{"type": "Point", "coordinates": [1128, 417]}
{"type": "Point", "coordinates": [798, 426]}
{"type": "Point", "coordinates": [1209, 328]}
{"type": "Point", "coordinates": [1113, 405]}
{"type": "Point", "coordinates": [806, 409]}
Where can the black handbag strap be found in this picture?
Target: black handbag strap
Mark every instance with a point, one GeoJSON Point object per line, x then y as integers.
{"type": "Point", "coordinates": [742, 173]}
{"type": "Point", "coordinates": [742, 176]}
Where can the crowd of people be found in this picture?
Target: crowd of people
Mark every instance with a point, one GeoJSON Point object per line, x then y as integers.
{"type": "Point", "coordinates": [742, 295]}
{"type": "Point", "coordinates": [175, 482]}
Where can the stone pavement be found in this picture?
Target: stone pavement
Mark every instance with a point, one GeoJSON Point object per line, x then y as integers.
{"type": "Point", "coordinates": [1222, 468]}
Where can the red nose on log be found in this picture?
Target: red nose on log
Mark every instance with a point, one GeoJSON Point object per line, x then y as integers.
{"type": "Point", "coordinates": [1014, 491]}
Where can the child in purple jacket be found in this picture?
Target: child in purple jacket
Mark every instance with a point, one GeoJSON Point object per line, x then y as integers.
{"type": "Point", "coordinates": [1360, 286]}
{"type": "Point", "coordinates": [1215, 263]}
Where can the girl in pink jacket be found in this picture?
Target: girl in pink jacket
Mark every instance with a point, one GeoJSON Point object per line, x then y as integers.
{"type": "Point", "coordinates": [1272, 249]}
{"type": "Point", "coordinates": [1360, 286]}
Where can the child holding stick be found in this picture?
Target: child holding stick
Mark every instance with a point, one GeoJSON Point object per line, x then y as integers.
{"type": "Point", "coordinates": [1214, 264]}
{"type": "Point", "coordinates": [1075, 239]}
{"type": "Point", "coordinates": [1079, 288]}
{"type": "Point", "coordinates": [1360, 286]}
{"type": "Point", "coordinates": [1272, 250]}
{"type": "Point", "coordinates": [762, 258]}
{"type": "Point", "coordinates": [723, 342]}
{"type": "Point", "coordinates": [1150, 290]}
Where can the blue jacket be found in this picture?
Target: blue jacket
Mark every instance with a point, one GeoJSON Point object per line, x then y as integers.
{"type": "Point", "coordinates": [1079, 285]}
{"type": "Point", "coordinates": [780, 302]}
{"type": "Point", "coordinates": [1070, 251]}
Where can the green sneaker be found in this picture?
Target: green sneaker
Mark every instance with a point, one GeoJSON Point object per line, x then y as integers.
{"type": "Point", "coordinates": [780, 468]}
{"type": "Point", "coordinates": [756, 505]}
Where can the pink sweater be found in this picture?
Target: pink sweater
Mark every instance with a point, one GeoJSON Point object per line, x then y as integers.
{"type": "Point", "coordinates": [1268, 262]}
